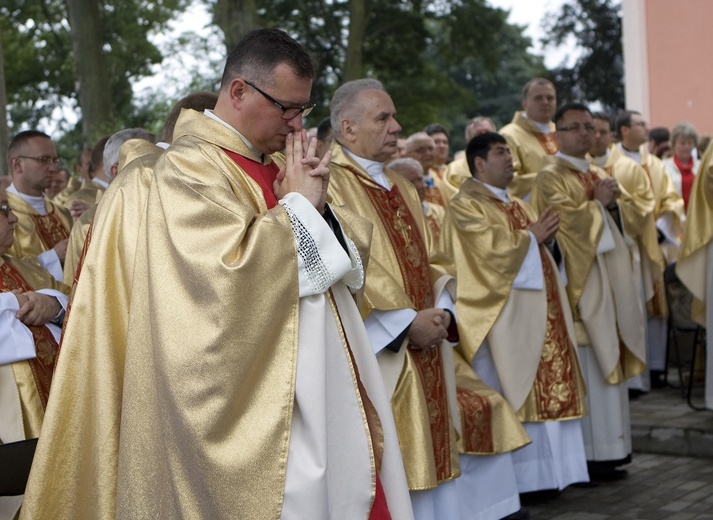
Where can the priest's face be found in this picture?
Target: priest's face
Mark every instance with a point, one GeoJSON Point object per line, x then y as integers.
{"type": "Point", "coordinates": [602, 137]}
{"type": "Point", "coordinates": [497, 169]}
{"type": "Point", "coordinates": [7, 224]}
{"type": "Point", "coordinates": [541, 102]}
{"type": "Point", "coordinates": [422, 149]}
{"type": "Point", "coordinates": [260, 120]}
{"type": "Point", "coordinates": [441, 154]}
{"type": "Point", "coordinates": [575, 133]}
{"type": "Point", "coordinates": [373, 132]}
{"type": "Point", "coordinates": [31, 174]}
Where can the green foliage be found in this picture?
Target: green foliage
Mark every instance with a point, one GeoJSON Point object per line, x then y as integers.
{"type": "Point", "coordinates": [40, 71]}
{"type": "Point", "coordinates": [598, 75]}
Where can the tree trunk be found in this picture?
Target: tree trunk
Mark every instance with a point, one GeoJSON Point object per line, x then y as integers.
{"type": "Point", "coordinates": [92, 85]}
{"type": "Point", "coordinates": [358, 20]}
{"type": "Point", "coordinates": [235, 18]}
{"type": "Point", "coordinates": [4, 137]}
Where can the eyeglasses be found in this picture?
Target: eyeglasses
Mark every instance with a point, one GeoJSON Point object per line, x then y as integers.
{"type": "Point", "coordinates": [5, 210]}
{"type": "Point", "coordinates": [45, 159]}
{"type": "Point", "coordinates": [287, 112]}
{"type": "Point", "coordinates": [576, 128]}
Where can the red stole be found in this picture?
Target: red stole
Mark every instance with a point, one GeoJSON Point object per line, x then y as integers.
{"type": "Point", "coordinates": [548, 142]}
{"type": "Point", "coordinates": [45, 345]}
{"type": "Point", "coordinates": [263, 174]}
{"type": "Point", "coordinates": [50, 228]}
{"type": "Point", "coordinates": [555, 387]}
{"type": "Point", "coordinates": [588, 181]}
{"type": "Point", "coordinates": [410, 250]}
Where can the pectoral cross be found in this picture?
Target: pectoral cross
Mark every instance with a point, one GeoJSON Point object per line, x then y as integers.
{"type": "Point", "coordinates": [403, 228]}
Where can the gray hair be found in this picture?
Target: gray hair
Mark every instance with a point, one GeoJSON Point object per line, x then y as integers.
{"type": "Point", "coordinates": [405, 163]}
{"type": "Point", "coordinates": [684, 130]}
{"type": "Point", "coordinates": [111, 149]}
{"type": "Point", "coordinates": [344, 101]}
{"type": "Point", "coordinates": [414, 138]}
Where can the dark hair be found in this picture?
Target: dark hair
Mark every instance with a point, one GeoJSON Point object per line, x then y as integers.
{"type": "Point", "coordinates": [98, 154]}
{"type": "Point", "coordinates": [602, 116]}
{"type": "Point", "coordinates": [659, 135]}
{"type": "Point", "coordinates": [436, 128]}
{"type": "Point", "coordinates": [532, 83]}
{"type": "Point", "coordinates": [199, 101]}
{"type": "Point", "coordinates": [479, 146]}
{"type": "Point", "coordinates": [21, 138]}
{"type": "Point", "coordinates": [256, 56]}
{"type": "Point", "coordinates": [324, 128]}
{"type": "Point", "coordinates": [579, 107]}
{"type": "Point", "coordinates": [623, 118]}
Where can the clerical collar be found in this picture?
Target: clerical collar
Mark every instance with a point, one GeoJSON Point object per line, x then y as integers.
{"type": "Point", "coordinates": [542, 127]}
{"type": "Point", "coordinates": [100, 182]}
{"type": "Point", "coordinates": [602, 160]}
{"type": "Point", "coordinates": [633, 155]}
{"type": "Point", "coordinates": [500, 193]}
{"type": "Point", "coordinates": [252, 149]}
{"type": "Point", "coordinates": [580, 164]}
{"type": "Point", "coordinates": [37, 203]}
{"type": "Point", "coordinates": [375, 169]}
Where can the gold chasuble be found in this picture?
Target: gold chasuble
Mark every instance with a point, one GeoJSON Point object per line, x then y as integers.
{"type": "Point", "coordinates": [530, 150]}
{"type": "Point", "coordinates": [90, 193]}
{"type": "Point", "coordinates": [32, 377]}
{"type": "Point", "coordinates": [174, 392]}
{"type": "Point", "coordinates": [601, 289]}
{"type": "Point", "coordinates": [530, 332]}
{"type": "Point", "coordinates": [75, 246]}
{"type": "Point", "coordinates": [73, 185]}
{"type": "Point", "coordinates": [455, 174]}
{"type": "Point", "coordinates": [696, 257]}
{"type": "Point", "coordinates": [35, 233]}
{"type": "Point", "coordinates": [421, 383]}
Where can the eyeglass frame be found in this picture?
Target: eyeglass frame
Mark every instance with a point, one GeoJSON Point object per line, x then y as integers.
{"type": "Point", "coordinates": [5, 209]}
{"type": "Point", "coordinates": [576, 128]}
{"type": "Point", "coordinates": [304, 109]}
{"type": "Point", "coordinates": [45, 159]}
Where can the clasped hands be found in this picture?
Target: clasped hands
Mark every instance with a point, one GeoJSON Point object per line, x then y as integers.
{"type": "Point", "coordinates": [546, 226]}
{"type": "Point", "coordinates": [429, 328]}
{"type": "Point", "coordinates": [607, 192]}
{"type": "Point", "coordinates": [36, 308]}
{"type": "Point", "coordinates": [304, 172]}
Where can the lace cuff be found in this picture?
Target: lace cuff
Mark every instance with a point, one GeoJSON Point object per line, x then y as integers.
{"type": "Point", "coordinates": [321, 260]}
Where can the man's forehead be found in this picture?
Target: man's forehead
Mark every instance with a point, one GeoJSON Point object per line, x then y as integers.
{"type": "Point", "coordinates": [541, 89]}
{"type": "Point", "coordinates": [497, 147]}
{"type": "Point", "coordinates": [577, 115]}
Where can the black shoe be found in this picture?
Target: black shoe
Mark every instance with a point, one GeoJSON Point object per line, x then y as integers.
{"type": "Point", "coordinates": [538, 497]}
{"type": "Point", "coordinates": [605, 471]}
{"type": "Point", "coordinates": [635, 392]}
{"type": "Point", "coordinates": [658, 379]}
{"type": "Point", "coordinates": [521, 514]}
{"type": "Point", "coordinates": [585, 485]}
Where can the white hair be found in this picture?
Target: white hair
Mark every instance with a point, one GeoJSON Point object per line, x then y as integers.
{"type": "Point", "coordinates": [344, 101]}
{"type": "Point", "coordinates": [111, 149]}
{"type": "Point", "coordinates": [403, 164]}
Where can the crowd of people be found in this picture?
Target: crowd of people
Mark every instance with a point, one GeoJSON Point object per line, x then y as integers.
{"type": "Point", "coordinates": [257, 321]}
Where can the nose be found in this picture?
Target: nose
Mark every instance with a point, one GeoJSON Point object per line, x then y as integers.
{"type": "Point", "coordinates": [396, 127]}
{"type": "Point", "coordinates": [11, 217]}
{"type": "Point", "coordinates": [295, 123]}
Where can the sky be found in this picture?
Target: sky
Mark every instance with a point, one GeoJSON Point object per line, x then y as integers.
{"type": "Point", "coordinates": [530, 13]}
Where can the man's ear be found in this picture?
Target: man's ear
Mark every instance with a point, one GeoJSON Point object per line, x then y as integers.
{"type": "Point", "coordinates": [237, 91]}
{"type": "Point", "coordinates": [348, 129]}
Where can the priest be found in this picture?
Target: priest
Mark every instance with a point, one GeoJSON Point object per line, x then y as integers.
{"type": "Point", "coordinates": [246, 386]}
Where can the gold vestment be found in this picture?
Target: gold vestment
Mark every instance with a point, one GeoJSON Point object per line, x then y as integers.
{"type": "Point", "coordinates": [174, 389]}
{"type": "Point", "coordinates": [530, 150]}
{"type": "Point", "coordinates": [606, 277]}
{"type": "Point", "coordinates": [530, 332]}
{"type": "Point", "coordinates": [35, 233]}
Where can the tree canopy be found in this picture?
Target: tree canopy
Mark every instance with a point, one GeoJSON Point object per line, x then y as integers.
{"type": "Point", "coordinates": [442, 61]}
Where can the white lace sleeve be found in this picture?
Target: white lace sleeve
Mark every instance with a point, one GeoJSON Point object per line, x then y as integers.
{"type": "Point", "coordinates": [321, 260]}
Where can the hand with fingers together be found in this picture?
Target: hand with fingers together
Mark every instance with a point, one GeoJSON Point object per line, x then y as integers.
{"type": "Point", "coordinates": [546, 226]}
{"type": "Point", "coordinates": [304, 172]}
{"type": "Point", "coordinates": [36, 309]}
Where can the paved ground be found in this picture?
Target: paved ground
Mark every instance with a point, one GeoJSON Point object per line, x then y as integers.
{"type": "Point", "coordinates": [670, 477]}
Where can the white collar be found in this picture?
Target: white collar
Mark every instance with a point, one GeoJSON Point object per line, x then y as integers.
{"type": "Point", "coordinates": [211, 114]}
{"type": "Point", "coordinates": [375, 169]}
{"type": "Point", "coordinates": [500, 193]}
{"type": "Point", "coordinates": [602, 160]}
{"type": "Point", "coordinates": [633, 155]}
{"type": "Point", "coordinates": [542, 127]}
{"type": "Point", "coordinates": [581, 164]}
{"type": "Point", "coordinates": [100, 182]}
{"type": "Point", "coordinates": [37, 203]}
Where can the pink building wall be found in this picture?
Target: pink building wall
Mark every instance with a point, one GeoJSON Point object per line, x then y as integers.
{"type": "Point", "coordinates": [679, 38]}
